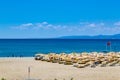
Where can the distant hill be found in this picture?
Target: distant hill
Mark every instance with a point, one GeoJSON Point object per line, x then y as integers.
{"type": "Point", "coordinates": [117, 36]}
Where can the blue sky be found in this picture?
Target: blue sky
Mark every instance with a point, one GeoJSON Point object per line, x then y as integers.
{"type": "Point", "coordinates": [54, 18]}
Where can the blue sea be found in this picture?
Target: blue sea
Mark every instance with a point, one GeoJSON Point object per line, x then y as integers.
{"type": "Point", "coordinates": [29, 47]}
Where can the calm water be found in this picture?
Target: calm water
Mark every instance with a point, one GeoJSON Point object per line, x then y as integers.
{"type": "Point", "coordinates": [29, 47]}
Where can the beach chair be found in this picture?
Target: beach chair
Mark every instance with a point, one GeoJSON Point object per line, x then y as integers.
{"type": "Point", "coordinates": [81, 65]}
{"type": "Point", "coordinates": [61, 62]}
{"type": "Point", "coordinates": [68, 63]}
{"type": "Point", "coordinates": [92, 65]}
{"type": "Point", "coordinates": [75, 65]}
{"type": "Point", "coordinates": [103, 64]}
{"type": "Point", "coordinates": [112, 63]}
{"type": "Point", "coordinates": [119, 63]}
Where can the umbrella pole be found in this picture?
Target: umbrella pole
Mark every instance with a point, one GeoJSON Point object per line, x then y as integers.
{"type": "Point", "coordinates": [29, 72]}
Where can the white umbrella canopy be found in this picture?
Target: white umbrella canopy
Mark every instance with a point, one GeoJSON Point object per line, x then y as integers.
{"type": "Point", "coordinates": [51, 54]}
{"type": "Point", "coordinates": [84, 53]}
{"type": "Point", "coordinates": [46, 57]}
{"type": "Point", "coordinates": [39, 54]}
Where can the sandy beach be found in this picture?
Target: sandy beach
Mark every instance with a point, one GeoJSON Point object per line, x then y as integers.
{"type": "Point", "coordinates": [17, 69]}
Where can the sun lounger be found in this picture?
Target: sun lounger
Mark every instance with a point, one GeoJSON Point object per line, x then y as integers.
{"type": "Point", "coordinates": [68, 63]}
{"type": "Point", "coordinates": [81, 66]}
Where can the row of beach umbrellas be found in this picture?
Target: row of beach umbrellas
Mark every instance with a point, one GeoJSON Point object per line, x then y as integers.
{"type": "Point", "coordinates": [81, 60]}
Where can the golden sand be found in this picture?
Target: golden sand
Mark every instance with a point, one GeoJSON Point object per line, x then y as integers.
{"type": "Point", "coordinates": [17, 69]}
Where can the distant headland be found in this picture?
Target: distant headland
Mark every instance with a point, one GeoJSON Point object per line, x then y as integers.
{"type": "Point", "coordinates": [116, 36]}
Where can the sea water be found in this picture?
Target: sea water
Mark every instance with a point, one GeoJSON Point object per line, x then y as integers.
{"type": "Point", "coordinates": [29, 47]}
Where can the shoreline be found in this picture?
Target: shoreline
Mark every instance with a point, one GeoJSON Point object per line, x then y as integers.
{"type": "Point", "coordinates": [15, 57]}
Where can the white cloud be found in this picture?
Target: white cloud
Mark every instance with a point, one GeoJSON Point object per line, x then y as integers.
{"type": "Point", "coordinates": [49, 25]}
{"type": "Point", "coordinates": [95, 24]}
{"type": "Point", "coordinates": [23, 26]}
{"type": "Point", "coordinates": [84, 29]}
{"type": "Point", "coordinates": [117, 23]}
{"type": "Point", "coordinates": [27, 25]}
{"type": "Point", "coordinates": [92, 25]}
{"type": "Point", "coordinates": [44, 23]}
{"type": "Point", "coordinates": [102, 24]}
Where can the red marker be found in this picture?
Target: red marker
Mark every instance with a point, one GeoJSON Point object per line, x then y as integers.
{"type": "Point", "coordinates": [108, 43]}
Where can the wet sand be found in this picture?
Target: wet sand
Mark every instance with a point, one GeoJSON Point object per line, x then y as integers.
{"type": "Point", "coordinates": [17, 69]}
